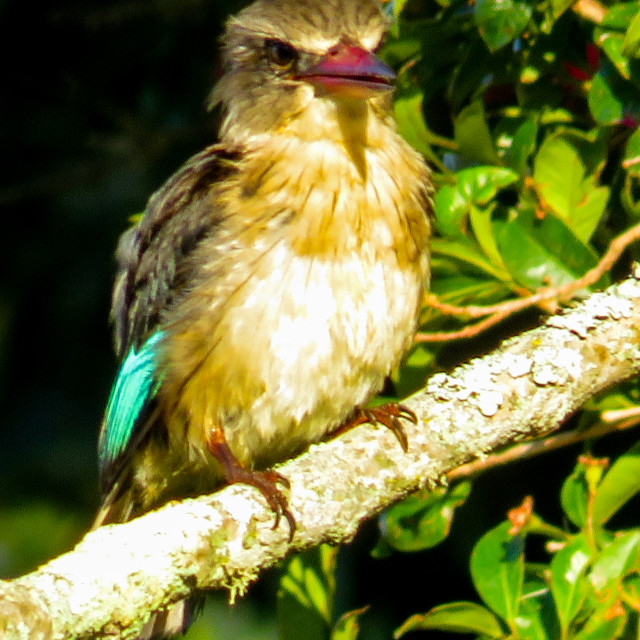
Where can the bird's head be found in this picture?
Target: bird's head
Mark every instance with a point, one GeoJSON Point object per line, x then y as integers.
{"type": "Point", "coordinates": [292, 65]}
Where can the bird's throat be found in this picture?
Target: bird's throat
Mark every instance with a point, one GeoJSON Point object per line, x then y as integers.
{"type": "Point", "coordinates": [353, 116]}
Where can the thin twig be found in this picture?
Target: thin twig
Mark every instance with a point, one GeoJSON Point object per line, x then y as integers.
{"type": "Point", "coordinates": [555, 295]}
{"type": "Point", "coordinates": [551, 443]}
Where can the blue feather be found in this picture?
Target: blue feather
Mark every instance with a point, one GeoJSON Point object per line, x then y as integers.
{"type": "Point", "coordinates": [135, 386]}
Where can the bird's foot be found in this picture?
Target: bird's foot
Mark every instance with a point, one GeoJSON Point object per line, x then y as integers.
{"type": "Point", "coordinates": [265, 481]}
{"type": "Point", "coordinates": [388, 415]}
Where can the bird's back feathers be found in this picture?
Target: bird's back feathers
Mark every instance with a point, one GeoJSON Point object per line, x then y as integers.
{"type": "Point", "coordinates": [153, 255]}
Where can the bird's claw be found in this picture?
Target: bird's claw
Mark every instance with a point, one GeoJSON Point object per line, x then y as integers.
{"type": "Point", "coordinates": [265, 481]}
{"type": "Point", "coordinates": [388, 415]}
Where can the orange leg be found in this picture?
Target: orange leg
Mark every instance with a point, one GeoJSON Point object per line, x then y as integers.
{"type": "Point", "coordinates": [387, 415]}
{"type": "Point", "coordinates": [265, 481]}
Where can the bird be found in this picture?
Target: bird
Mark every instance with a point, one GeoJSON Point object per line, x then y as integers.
{"type": "Point", "coordinates": [275, 280]}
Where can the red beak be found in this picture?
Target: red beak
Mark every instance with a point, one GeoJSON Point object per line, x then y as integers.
{"type": "Point", "coordinates": [350, 71]}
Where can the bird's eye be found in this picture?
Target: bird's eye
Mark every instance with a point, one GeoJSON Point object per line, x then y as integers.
{"type": "Point", "coordinates": [280, 53]}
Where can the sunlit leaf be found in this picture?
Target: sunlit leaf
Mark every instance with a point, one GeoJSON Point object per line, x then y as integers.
{"type": "Point", "coordinates": [558, 173]}
{"type": "Point", "coordinates": [408, 109]}
{"type": "Point", "coordinates": [348, 626]}
{"type": "Point", "coordinates": [483, 231]}
{"type": "Point", "coordinates": [618, 486]}
{"type": "Point", "coordinates": [605, 106]}
{"type": "Point", "coordinates": [620, 15]}
{"type": "Point", "coordinates": [568, 586]}
{"type": "Point", "coordinates": [560, 6]}
{"type": "Point", "coordinates": [566, 190]}
{"type": "Point", "coordinates": [451, 210]}
{"type": "Point", "coordinates": [422, 521]}
{"type": "Point", "coordinates": [611, 43]}
{"type": "Point", "coordinates": [481, 184]}
{"type": "Point", "coordinates": [467, 252]}
{"type": "Point", "coordinates": [476, 186]}
{"type": "Point", "coordinates": [574, 496]}
{"type": "Point", "coordinates": [613, 562]}
{"type": "Point", "coordinates": [497, 570]}
{"type": "Point", "coordinates": [501, 21]}
{"type": "Point", "coordinates": [631, 42]}
{"type": "Point", "coordinates": [601, 629]}
{"type": "Point", "coordinates": [522, 146]}
{"type": "Point", "coordinates": [473, 135]}
{"type": "Point", "coordinates": [459, 617]}
{"type": "Point", "coordinates": [306, 593]}
{"type": "Point", "coordinates": [545, 254]}
{"type": "Point", "coordinates": [537, 618]}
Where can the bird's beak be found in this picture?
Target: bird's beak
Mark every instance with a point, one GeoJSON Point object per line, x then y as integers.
{"type": "Point", "coordinates": [351, 72]}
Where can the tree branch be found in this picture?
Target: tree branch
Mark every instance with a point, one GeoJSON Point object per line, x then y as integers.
{"type": "Point", "coordinates": [107, 586]}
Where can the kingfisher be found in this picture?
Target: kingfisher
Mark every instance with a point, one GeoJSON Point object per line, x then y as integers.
{"type": "Point", "coordinates": [275, 280]}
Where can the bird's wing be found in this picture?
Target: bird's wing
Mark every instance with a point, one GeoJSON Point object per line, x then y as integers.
{"type": "Point", "coordinates": [153, 269]}
{"type": "Point", "coordinates": [151, 256]}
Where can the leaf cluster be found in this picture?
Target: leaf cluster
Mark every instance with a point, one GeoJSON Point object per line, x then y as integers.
{"type": "Point", "coordinates": [588, 589]}
{"type": "Point", "coordinates": [528, 113]}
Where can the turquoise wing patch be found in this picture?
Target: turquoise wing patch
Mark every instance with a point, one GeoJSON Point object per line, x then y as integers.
{"type": "Point", "coordinates": [135, 386]}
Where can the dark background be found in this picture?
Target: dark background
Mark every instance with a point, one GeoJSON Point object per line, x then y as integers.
{"type": "Point", "coordinates": [100, 102]}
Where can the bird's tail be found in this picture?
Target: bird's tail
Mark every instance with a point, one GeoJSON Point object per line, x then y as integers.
{"type": "Point", "coordinates": [172, 621]}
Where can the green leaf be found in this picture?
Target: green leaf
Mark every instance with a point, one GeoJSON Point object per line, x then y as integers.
{"type": "Point", "coordinates": [615, 560]}
{"type": "Point", "coordinates": [605, 106]}
{"type": "Point", "coordinates": [480, 219]}
{"type": "Point", "coordinates": [574, 496]}
{"type": "Point", "coordinates": [306, 594]}
{"type": "Point", "coordinates": [537, 618]}
{"type": "Point", "coordinates": [568, 586]}
{"type": "Point", "coordinates": [618, 486]}
{"type": "Point", "coordinates": [467, 252]}
{"type": "Point", "coordinates": [476, 186]}
{"type": "Point", "coordinates": [630, 193]}
{"type": "Point", "coordinates": [631, 42]}
{"type": "Point", "coordinates": [620, 15]}
{"type": "Point", "coordinates": [587, 214]}
{"type": "Point", "coordinates": [501, 21]}
{"type": "Point", "coordinates": [497, 571]}
{"type": "Point", "coordinates": [422, 520]}
{"type": "Point", "coordinates": [459, 288]}
{"type": "Point", "coordinates": [451, 209]}
{"type": "Point", "coordinates": [473, 136]}
{"type": "Point", "coordinates": [408, 110]}
{"type": "Point", "coordinates": [632, 153]}
{"type": "Point", "coordinates": [398, 6]}
{"type": "Point", "coordinates": [611, 43]}
{"type": "Point", "coordinates": [559, 174]}
{"type": "Point", "coordinates": [481, 184]}
{"type": "Point", "coordinates": [560, 6]}
{"type": "Point", "coordinates": [348, 626]}
{"type": "Point", "coordinates": [546, 253]}
{"type": "Point", "coordinates": [522, 146]}
{"type": "Point", "coordinates": [601, 629]}
{"type": "Point", "coordinates": [460, 617]}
